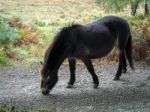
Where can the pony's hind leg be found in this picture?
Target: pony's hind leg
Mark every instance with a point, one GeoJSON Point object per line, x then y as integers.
{"type": "Point", "coordinates": [72, 63]}
{"type": "Point", "coordinates": [124, 69]}
{"type": "Point", "coordinates": [121, 64]}
{"type": "Point", "coordinates": [122, 40]}
{"type": "Point", "coordinates": [90, 68]}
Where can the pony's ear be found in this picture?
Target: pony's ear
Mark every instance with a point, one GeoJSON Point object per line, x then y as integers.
{"type": "Point", "coordinates": [41, 62]}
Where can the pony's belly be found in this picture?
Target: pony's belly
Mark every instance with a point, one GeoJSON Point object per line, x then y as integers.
{"type": "Point", "coordinates": [91, 53]}
{"type": "Point", "coordinates": [81, 53]}
{"type": "Point", "coordinates": [99, 53]}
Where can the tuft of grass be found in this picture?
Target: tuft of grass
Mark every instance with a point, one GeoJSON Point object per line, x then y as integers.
{"type": "Point", "coordinates": [3, 57]}
{"type": "Point", "coordinates": [36, 50]}
{"type": "Point", "coordinates": [142, 83]}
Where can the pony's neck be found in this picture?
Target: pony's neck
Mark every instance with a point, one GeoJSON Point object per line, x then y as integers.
{"type": "Point", "coordinates": [55, 56]}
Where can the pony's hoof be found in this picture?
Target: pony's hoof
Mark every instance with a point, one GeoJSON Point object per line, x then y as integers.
{"type": "Point", "coordinates": [116, 78]}
{"type": "Point", "coordinates": [69, 86]}
{"type": "Point", "coordinates": [95, 85]}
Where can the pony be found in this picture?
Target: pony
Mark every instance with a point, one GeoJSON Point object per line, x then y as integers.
{"type": "Point", "coordinates": [86, 42]}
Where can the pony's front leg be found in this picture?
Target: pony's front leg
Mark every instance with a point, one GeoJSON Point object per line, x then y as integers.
{"type": "Point", "coordinates": [90, 68]}
{"type": "Point", "coordinates": [72, 63]}
{"type": "Point", "coordinates": [121, 65]}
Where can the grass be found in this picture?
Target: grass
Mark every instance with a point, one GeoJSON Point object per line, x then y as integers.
{"type": "Point", "coordinates": [54, 12]}
{"type": "Point", "coordinates": [48, 16]}
{"type": "Point", "coordinates": [3, 58]}
{"type": "Point", "coordinates": [12, 108]}
{"type": "Point", "coordinates": [142, 83]}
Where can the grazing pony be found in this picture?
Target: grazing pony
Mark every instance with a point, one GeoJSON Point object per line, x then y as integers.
{"type": "Point", "coordinates": [91, 41]}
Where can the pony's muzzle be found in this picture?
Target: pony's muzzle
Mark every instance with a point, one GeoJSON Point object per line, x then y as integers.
{"type": "Point", "coordinates": [45, 91]}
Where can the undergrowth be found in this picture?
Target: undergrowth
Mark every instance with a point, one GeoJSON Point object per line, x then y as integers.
{"type": "Point", "coordinates": [141, 37]}
{"type": "Point", "coordinates": [18, 40]}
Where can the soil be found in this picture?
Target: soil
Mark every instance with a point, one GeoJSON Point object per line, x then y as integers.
{"type": "Point", "coordinates": [21, 85]}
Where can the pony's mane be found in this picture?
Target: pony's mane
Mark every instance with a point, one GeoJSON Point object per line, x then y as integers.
{"type": "Point", "coordinates": [70, 27]}
{"type": "Point", "coordinates": [60, 36]}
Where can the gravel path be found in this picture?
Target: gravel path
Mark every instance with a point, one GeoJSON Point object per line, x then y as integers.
{"type": "Point", "coordinates": [21, 84]}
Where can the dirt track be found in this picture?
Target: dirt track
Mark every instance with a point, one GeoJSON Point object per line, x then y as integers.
{"type": "Point", "coordinates": [21, 84]}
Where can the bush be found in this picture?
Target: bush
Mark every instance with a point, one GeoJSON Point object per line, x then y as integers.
{"type": "Point", "coordinates": [140, 26]}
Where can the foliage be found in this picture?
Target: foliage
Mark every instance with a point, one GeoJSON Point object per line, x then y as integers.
{"type": "Point", "coordinates": [14, 33]}
{"type": "Point", "coordinates": [7, 34]}
{"type": "Point", "coordinates": [113, 5]}
{"type": "Point", "coordinates": [28, 33]}
{"type": "Point", "coordinates": [140, 26]}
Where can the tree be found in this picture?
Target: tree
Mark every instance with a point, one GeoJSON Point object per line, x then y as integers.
{"type": "Point", "coordinates": [119, 5]}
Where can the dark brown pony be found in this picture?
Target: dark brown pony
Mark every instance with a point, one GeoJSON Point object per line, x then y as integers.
{"type": "Point", "coordinates": [91, 41]}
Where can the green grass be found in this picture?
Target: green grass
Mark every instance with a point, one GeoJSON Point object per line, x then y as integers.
{"type": "Point", "coordinates": [11, 108]}
{"type": "Point", "coordinates": [3, 58]}
{"type": "Point", "coordinates": [48, 31]}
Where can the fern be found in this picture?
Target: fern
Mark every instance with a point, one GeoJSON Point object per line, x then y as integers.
{"type": "Point", "coordinates": [7, 33]}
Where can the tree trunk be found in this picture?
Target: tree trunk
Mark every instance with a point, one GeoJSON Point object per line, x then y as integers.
{"type": "Point", "coordinates": [146, 8]}
{"type": "Point", "coordinates": [134, 7]}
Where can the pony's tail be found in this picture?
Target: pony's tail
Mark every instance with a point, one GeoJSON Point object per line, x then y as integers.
{"type": "Point", "coordinates": [128, 51]}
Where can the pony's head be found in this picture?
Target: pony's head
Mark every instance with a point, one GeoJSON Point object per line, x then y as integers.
{"type": "Point", "coordinates": [48, 80]}
{"type": "Point", "coordinates": [54, 56]}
